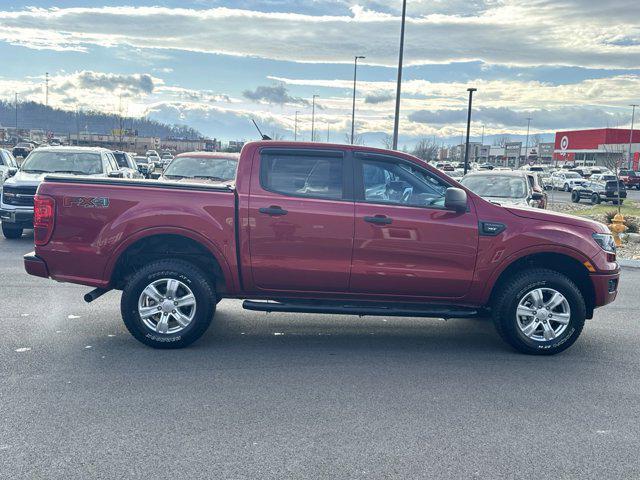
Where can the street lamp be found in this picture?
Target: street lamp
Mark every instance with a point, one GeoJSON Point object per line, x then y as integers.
{"type": "Point", "coordinates": [396, 123]}
{"type": "Point", "coordinates": [466, 148]}
{"type": "Point", "coordinates": [353, 108]}
{"type": "Point", "coordinates": [526, 148]}
{"type": "Point", "coordinates": [633, 114]}
{"type": "Point", "coordinates": [313, 119]}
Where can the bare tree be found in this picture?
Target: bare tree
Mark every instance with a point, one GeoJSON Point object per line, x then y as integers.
{"type": "Point", "coordinates": [357, 139]}
{"type": "Point", "coordinates": [535, 140]}
{"type": "Point", "coordinates": [426, 149]}
{"type": "Point", "coordinates": [613, 160]}
{"type": "Point", "coordinates": [387, 141]}
{"type": "Point", "coordinates": [277, 136]}
{"type": "Point", "coordinates": [501, 141]}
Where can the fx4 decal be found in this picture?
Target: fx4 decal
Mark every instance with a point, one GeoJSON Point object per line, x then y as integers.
{"type": "Point", "coordinates": [86, 202]}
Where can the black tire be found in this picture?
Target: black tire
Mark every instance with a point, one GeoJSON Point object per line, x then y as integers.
{"type": "Point", "coordinates": [515, 289]}
{"type": "Point", "coordinates": [575, 197]}
{"type": "Point", "coordinates": [185, 272]}
{"type": "Point", "coordinates": [566, 187]}
{"type": "Point", "coordinates": [11, 232]}
{"type": "Point", "coordinates": [595, 199]}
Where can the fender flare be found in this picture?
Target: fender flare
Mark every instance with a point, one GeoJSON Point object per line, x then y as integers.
{"type": "Point", "coordinates": [525, 252]}
{"type": "Point", "coordinates": [211, 247]}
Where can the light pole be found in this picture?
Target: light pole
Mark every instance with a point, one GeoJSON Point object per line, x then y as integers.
{"type": "Point", "coordinates": [633, 114]}
{"type": "Point", "coordinates": [313, 118]}
{"type": "Point", "coordinates": [353, 108]}
{"type": "Point", "coordinates": [295, 129]}
{"type": "Point", "coordinates": [526, 147]}
{"type": "Point", "coordinates": [396, 124]}
{"type": "Point", "coordinates": [466, 148]}
{"type": "Point", "coordinates": [16, 114]}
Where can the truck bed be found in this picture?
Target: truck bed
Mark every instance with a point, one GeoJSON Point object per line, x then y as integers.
{"type": "Point", "coordinates": [97, 219]}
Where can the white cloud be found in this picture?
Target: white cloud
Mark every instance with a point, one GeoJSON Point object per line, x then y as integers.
{"type": "Point", "coordinates": [513, 32]}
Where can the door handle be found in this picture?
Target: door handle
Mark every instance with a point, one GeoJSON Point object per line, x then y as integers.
{"type": "Point", "coordinates": [273, 210]}
{"type": "Point", "coordinates": [379, 220]}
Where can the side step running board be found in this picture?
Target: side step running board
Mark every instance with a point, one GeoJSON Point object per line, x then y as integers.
{"type": "Point", "coordinates": [431, 311]}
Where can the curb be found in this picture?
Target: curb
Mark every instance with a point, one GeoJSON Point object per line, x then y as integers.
{"type": "Point", "coordinates": [629, 263]}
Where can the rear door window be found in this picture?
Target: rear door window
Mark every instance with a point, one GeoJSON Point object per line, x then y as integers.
{"type": "Point", "coordinates": [301, 174]}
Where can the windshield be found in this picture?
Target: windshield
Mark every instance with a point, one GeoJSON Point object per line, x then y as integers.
{"type": "Point", "coordinates": [572, 175]}
{"type": "Point", "coordinates": [63, 162]}
{"type": "Point", "coordinates": [194, 167]}
{"type": "Point", "coordinates": [496, 186]}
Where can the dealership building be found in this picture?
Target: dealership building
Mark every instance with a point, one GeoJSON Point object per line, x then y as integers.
{"type": "Point", "coordinates": [597, 147]}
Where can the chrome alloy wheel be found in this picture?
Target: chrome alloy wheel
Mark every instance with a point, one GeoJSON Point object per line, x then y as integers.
{"type": "Point", "coordinates": [543, 314]}
{"type": "Point", "coordinates": [167, 306]}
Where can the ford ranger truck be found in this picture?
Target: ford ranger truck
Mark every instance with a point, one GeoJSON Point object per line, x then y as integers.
{"type": "Point", "coordinates": [322, 228]}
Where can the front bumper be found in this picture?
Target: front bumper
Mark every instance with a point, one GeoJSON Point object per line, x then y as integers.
{"type": "Point", "coordinates": [605, 288]}
{"type": "Point", "coordinates": [22, 217]}
{"type": "Point", "coordinates": [35, 266]}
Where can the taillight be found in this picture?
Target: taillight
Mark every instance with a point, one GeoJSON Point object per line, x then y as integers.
{"type": "Point", "coordinates": [44, 212]}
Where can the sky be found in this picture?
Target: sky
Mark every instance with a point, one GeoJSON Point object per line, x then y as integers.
{"type": "Point", "coordinates": [215, 64]}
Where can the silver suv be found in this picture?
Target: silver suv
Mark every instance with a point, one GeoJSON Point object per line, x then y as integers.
{"type": "Point", "coordinates": [16, 201]}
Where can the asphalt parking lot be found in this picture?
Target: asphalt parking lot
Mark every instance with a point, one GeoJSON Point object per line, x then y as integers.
{"type": "Point", "coordinates": [273, 396]}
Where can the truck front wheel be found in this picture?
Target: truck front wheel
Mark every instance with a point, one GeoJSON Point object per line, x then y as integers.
{"type": "Point", "coordinates": [168, 304]}
{"type": "Point", "coordinates": [539, 312]}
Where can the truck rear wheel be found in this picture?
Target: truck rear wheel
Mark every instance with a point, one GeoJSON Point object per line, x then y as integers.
{"type": "Point", "coordinates": [539, 312]}
{"type": "Point", "coordinates": [11, 231]}
{"type": "Point", "coordinates": [168, 304]}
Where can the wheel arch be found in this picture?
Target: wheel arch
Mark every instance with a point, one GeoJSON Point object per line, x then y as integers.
{"type": "Point", "coordinates": [150, 245]}
{"type": "Point", "coordinates": [568, 264]}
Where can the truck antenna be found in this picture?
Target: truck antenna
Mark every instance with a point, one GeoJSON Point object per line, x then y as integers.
{"type": "Point", "coordinates": [264, 137]}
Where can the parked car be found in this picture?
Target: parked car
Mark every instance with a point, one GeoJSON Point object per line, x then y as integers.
{"type": "Point", "coordinates": [537, 186]}
{"type": "Point", "coordinates": [630, 178]}
{"type": "Point", "coordinates": [8, 165]}
{"type": "Point", "coordinates": [567, 181]}
{"type": "Point", "coordinates": [505, 188]}
{"type": "Point", "coordinates": [16, 202]}
{"type": "Point", "coordinates": [156, 161]}
{"type": "Point", "coordinates": [486, 166]}
{"type": "Point", "coordinates": [543, 172]}
{"type": "Point", "coordinates": [127, 165]}
{"type": "Point", "coordinates": [144, 166]}
{"type": "Point", "coordinates": [202, 167]}
{"type": "Point", "coordinates": [587, 171]}
{"type": "Point", "coordinates": [456, 174]}
{"type": "Point", "coordinates": [22, 149]}
{"type": "Point", "coordinates": [314, 228]}
{"type": "Point", "coordinates": [600, 190]}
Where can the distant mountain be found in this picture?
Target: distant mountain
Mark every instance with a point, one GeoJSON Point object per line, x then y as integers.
{"type": "Point", "coordinates": [32, 115]}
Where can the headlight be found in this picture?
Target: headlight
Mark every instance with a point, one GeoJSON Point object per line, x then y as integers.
{"type": "Point", "coordinates": [606, 242]}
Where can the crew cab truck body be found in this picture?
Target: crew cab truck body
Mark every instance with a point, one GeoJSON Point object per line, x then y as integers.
{"type": "Point", "coordinates": [323, 228]}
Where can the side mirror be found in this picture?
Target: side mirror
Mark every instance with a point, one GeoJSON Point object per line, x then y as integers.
{"type": "Point", "coordinates": [455, 199]}
{"type": "Point", "coordinates": [115, 174]}
{"type": "Point", "coordinates": [537, 196]}
{"type": "Point", "coordinates": [12, 171]}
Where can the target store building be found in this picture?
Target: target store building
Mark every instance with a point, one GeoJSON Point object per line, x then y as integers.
{"type": "Point", "coordinates": [597, 147]}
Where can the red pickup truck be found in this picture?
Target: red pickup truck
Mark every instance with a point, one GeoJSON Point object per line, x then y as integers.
{"type": "Point", "coordinates": [321, 228]}
{"type": "Point", "coordinates": [630, 178]}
